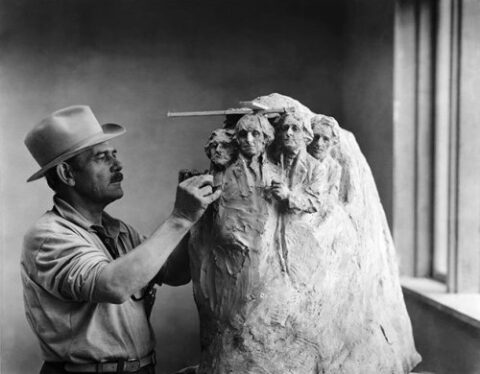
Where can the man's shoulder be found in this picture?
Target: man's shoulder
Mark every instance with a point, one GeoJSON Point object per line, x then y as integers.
{"type": "Point", "coordinates": [309, 162]}
{"type": "Point", "coordinates": [50, 223]}
{"type": "Point", "coordinates": [50, 230]}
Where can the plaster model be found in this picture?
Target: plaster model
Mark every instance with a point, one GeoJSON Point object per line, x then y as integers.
{"type": "Point", "coordinates": [326, 132]}
{"type": "Point", "coordinates": [294, 269]}
{"type": "Point", "coordinates": [222, 150]}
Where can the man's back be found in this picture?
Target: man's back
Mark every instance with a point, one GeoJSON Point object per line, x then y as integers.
{"type": "Point", "coordinates": [61, 260]}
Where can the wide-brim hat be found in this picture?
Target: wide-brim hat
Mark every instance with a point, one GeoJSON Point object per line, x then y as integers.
{"type": "Point", "coordinates": [64, 134]}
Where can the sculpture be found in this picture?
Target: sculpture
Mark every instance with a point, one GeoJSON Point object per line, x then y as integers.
{"type": "Point", "coordinates": [221, 149]}
{"type": "Point", "coordinates": [294, 269]}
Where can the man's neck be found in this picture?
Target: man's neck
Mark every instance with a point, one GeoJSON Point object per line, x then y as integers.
{"type": "Point", "coordinates": [322, 157]}
{"type": "Point", "coordinates": [252, 160]}
{"type": "Point", "coordinates": [90, 210]}
{"type": "Point", "coordinates": [289, 155]}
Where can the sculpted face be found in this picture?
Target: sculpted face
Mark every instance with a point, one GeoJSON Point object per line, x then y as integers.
{"type": "Point", "coordinates": [323, 140]}
{"type": "Point", "coordinates": [250, 137]}
{"type": "Point", "coordinates": [291, 135]}
{"type": "Point", "coordinates": [97, 173]}
{"type": "Point", "coordinates": [221, 148]}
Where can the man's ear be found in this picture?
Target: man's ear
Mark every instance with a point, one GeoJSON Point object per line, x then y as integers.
{"type": "Point", "coordinates": [64, 172]}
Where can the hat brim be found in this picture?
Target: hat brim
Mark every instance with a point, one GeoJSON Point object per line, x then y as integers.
{"type": "Point", "coordinates": [110, 131]}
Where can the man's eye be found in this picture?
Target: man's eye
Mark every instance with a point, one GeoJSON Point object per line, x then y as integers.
{"type": "Point", "coordinates": [295, 128]}
{"type": "Point", "coordinates": [256, 134]}
{"type": "Point", "coordinates": [242, 134]}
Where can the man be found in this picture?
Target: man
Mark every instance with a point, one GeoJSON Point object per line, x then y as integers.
{"type": "Point", "coordinates": [254, 134]}
{"type": "Point", "coordinates": [325, 137]}
{"type": "Point", "coordinates": [87, 276]}
{"type": "Point", "coordinates": [222, 151]}
{"type": "Point", "coordinates": [298, 189]}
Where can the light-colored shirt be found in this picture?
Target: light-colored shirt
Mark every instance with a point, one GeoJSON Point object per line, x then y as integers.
{"type": "Point", "coordinates": [61, 260]}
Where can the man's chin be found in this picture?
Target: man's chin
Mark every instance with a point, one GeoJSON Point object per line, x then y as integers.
{"type": "Point", "coordinates": [220, 162]}
{"type": "Point", "coordinates": [319, 154]}
{"type": "Point", "coordinates": [116, 194]}
{"type": "Point", "coordinates": [291, 147]}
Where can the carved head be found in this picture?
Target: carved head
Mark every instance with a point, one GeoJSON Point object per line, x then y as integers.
{"type": "Point", "coordinates": [294, 132]}
{"type": "Point", "coordinates": [253, 133]}
{"type": "Point", "coordinates": [325, 135]}
{"type": "Point", "coordinates": [221, 148]}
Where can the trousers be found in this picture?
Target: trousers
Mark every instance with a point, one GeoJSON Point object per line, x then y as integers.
{"type": "Point", "coordinates": [57, 368]}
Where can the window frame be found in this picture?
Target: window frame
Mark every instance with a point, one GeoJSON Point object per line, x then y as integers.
{"type": "Point", "coordinates": [417, 149]}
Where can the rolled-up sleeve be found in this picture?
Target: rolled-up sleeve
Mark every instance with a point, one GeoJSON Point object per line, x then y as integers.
{"type": "Point", "coordinates": [68, 266]}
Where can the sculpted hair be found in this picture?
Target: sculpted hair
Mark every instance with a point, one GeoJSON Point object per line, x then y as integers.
{"type": "Point", "coordinates": [227, 135]}
{"type": "Point", "coordinates": [300, 120]}
{"type": "Point", "coordinates": [267, 128]}
{"type": "Point", "coordinates": [322, 120]}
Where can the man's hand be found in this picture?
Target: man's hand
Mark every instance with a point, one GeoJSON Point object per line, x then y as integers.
{"type": "Point", "coordinates": [194, 195]}
{"type": "Point", "coordinates": [280, 190]}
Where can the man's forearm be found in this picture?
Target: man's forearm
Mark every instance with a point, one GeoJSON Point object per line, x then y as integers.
{"type": "Point", "coordinates": [124, 276]}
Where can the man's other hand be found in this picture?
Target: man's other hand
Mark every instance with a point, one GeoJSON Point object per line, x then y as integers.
{"type": "Point", "coordinates": [280, 190]}
{"type": "Point", "coordinates": [194, 195]}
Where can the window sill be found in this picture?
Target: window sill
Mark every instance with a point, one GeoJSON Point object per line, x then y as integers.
{"type": "Point", "coordinates": [464, 307]}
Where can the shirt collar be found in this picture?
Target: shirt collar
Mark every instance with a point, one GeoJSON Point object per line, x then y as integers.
{"type": "Point", "coordinates": [111, 225]}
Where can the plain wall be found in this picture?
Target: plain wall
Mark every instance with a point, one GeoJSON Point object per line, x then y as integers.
{"type": "Point", "coordinates": [367, 87]}
{"type": "Point", "coordinates": [133, 61]}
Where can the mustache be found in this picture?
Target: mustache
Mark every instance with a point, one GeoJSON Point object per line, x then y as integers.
{"type": "Point", "coordinates": [117, 177]}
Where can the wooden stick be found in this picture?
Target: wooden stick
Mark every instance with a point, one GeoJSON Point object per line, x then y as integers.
{"type": "Point", "coordinates": [226, 112]}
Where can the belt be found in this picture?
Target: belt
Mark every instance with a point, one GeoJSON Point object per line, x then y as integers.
{"type": "Point", "coordinates": [119, 366]}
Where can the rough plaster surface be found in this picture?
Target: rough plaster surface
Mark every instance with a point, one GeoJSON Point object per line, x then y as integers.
{"type": "Point", "coordinates": [300, 291]}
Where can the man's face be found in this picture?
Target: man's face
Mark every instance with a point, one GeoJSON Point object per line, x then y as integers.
{"type": "Point", "coordinates": [251, 139]}
{"type": "Point", "coordinates": [292, 137]}
{"type": "Point", "coordinates": [97, 173]}
{"type": "Point", "coordinates": [221, 151]}
{"type": "Point", "coordinates": [322, 141]}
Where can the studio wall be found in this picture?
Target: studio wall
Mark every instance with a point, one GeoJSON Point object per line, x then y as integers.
{"type": "Point", "coordinates": [367, 87]}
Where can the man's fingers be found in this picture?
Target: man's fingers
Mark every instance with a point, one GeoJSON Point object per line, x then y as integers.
{"type": "Point", "coordinates": [197, 181]}
{"type": "Point", "coordinates": [214, 196]}
{"type": "Point", "coordinates": [206, 190]}
{"type": "Point", "coordinates": [200, 181]}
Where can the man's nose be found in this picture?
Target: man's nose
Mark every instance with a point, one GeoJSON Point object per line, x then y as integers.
{"type": "Point", "coordinates": [116, 165]}
{"type": "Point", "coordinates": [249, 137]}
{"type": "Point", "coordinates": [289, 131]}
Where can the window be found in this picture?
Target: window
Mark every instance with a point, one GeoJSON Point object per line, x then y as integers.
{"type": "Point", "coordinates": [436, 223]}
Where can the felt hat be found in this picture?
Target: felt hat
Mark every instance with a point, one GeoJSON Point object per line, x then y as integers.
{"type": "Point", "coordinates": [64, 134]}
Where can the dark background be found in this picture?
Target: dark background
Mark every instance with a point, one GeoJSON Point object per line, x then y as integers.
{"type": "Point", "coordinates": [132, 61]}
